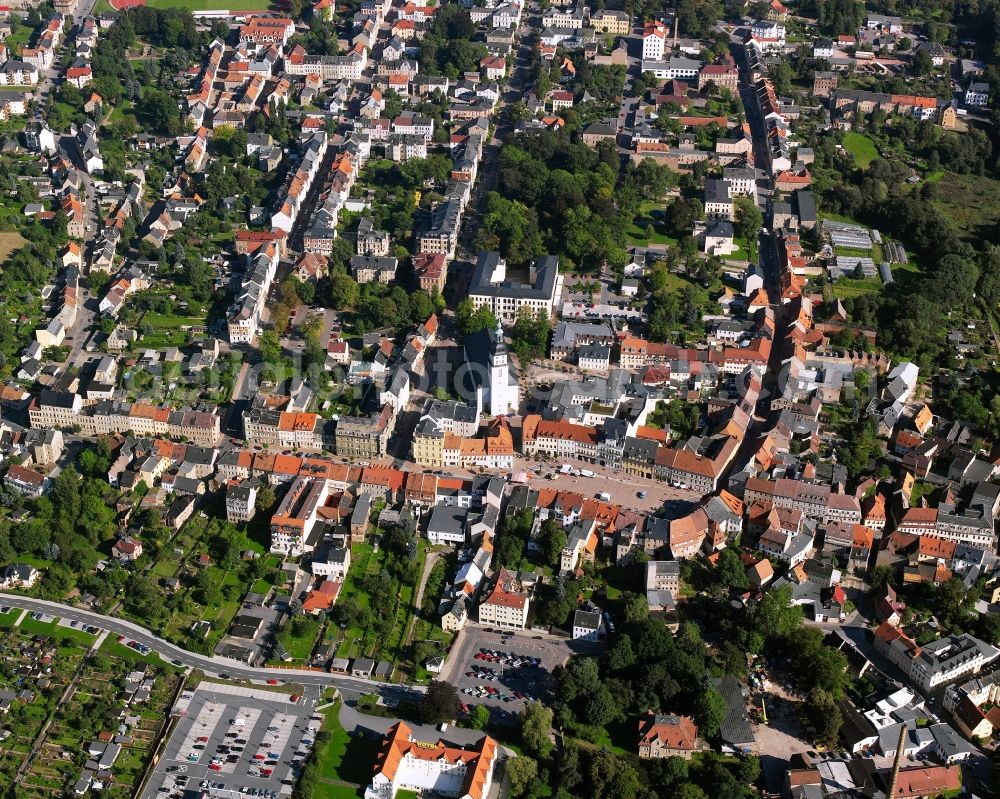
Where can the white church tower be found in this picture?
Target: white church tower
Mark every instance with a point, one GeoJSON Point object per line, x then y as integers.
{"type": "Point", "coordinates": [500, 388]}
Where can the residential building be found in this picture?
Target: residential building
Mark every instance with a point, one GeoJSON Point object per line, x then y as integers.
{"type": "Point", "coordinates": [240, 501]}
{"type": "Point", "coordinates": [507, 603]}
{"type": "Point", "coordinates": [662, 735]}
{"type": "Point", "coordinates": [936, 663]}
{"type": "Point", "coordinates": [295, 520]}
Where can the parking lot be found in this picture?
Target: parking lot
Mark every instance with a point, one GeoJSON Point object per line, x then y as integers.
{"type": "Point", "coordinates": [234, 742]}
{"type": "Point", "coordinates": [514, 669]}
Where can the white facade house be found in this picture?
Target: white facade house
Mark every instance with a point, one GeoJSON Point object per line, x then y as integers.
{"type": "Point", "coordinates": [507, 603]}
{"type": "Point", "coordinates": [978, 95]}
{"type": "Point", "coordinates": [427, 767]}
{"type": "Point", "coordinates": [654, 39]}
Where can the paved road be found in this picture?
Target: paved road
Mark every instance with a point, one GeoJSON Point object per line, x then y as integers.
{"type": "Point", "coordinates": [351, 687]}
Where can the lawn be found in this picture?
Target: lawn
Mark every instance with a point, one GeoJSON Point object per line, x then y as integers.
{"type": "Point", "coordinates": [854, 252]}
{"type": "Point", "coordinates": [31, 626]}
{"type": "Point", "coordinates": [32, 560]}
{"type": "Point", "coordinates": [861, 148]}
{"type": "Point", "coordinates": [113, 648]}
{"type": "Point", "coordinates": [19, 38]}
{"type": "Point", "coordinates": [171, 321]}
{"type": "Point", "coordinates": [9, 243]}
{"type": "Point", "coordinates": [120, 112]}
{"type": "Point", "coordinates": [165, 568]}
{"type": "Point", "coordinates": [343, 759]}
{"type": "Point", "coordinates": [650, 213]}
{"type": "Point", "coordinates": [331, 757]}
{"type": "Point", "coordinates": [300, 646]}
{"type": "Point", "coordinates": [848, 287]}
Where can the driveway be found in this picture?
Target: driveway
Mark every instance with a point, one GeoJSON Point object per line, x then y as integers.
{"type": "Point", "coordinates": [779, 739]}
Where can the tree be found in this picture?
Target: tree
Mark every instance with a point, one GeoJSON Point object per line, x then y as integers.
{"type": "Point", "coordinates": [689, 790]}
{"type": "Point", "coordinates": [143, 598]}
{"type": "Point", "coordinates": [522, 771]}
{"type": "Point", "coordinates": [750, 769]}
{"type": "Point", "coordinates": [816, 663]}
{"type": "Point", "coordinates": [530, 334]}
{"type": "Point", "coordinates": [749, 220]}
{"type": "Point", "coordinates": [440, 703]}
{"type": "Point", "coordinates": [471, 320]}
{"type": "Point", "coordinates": [270, 347]}
{"type": "Point", "coordinates": [881, 576]}
{"type": "Point", "coordinates": [479, 717]}
{"type": "Point", "coordinates": [160, 112]}
{"type": "Point", "coordinates": [922, 64]}
{"type": "Point", "coordinates": [635, 608]}
{"type": "Point", "coordinates": [344, 292]}
{"type": "Point", "coordinates": [600, 707]}
{"type": "Point", "coordinates": [781, 76]}
{"type": "Point", "coordinates": [612, 777]}
{"type": "Point", "coordinates": [552, 538]}
{"type": "Point", "coordinates": [710, 711]}
{"type": "Point", "coordinates": [775, 616]}
{"type": "Point", "coordinates": [729, 570]}
{"type": "Point", "coordinates": [266, 498]}
{"type": "Point", "coordinates": [536, 723]}
{"type": "Point", "coordinates": [823, 714]}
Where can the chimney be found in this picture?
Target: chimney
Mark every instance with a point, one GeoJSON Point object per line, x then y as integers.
{"type": "Point", "coordinates": [677, 25]}
{"type": "Point", "coordinates": [897, 761]}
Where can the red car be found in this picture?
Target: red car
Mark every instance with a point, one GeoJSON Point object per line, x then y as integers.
{"type": "Point", "coordinates": [293, 698]}
{"type": "Point", "coordinates": [260, 757]}
{"type": "Point", "coordinates": [215, 767]}
{"type": "Point", "coordinates": [266, 772]}
{"type": "Point", "coordinates": [272, 682]}
{"type": "Point", "coordinates": [201, 739]}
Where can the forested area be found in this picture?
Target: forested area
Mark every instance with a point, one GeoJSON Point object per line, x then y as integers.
{"type": "Point", "coordinates": [447, 48]}
{"type": "Point", "coordinates": [562, 197]}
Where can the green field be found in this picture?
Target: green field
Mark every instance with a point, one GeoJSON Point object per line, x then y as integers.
{"type": "Point", "coordinates": [970, 202]}
{"type": "Point", "coordinates": [861, 147]}
{"type": "Point", "coordinates": [32, 627]}
{"type": "Point", "coordinates": [343, 765]}
{"type": "Point", "coordinates": [650, 213]}
{"type": "Point", "coordinates": [19, 38]}
{"type": "Point", "coordinates": [848, 287]}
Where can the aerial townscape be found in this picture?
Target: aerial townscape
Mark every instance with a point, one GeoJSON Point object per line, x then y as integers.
{"type": "Point", "coordinates": [560, 399]}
